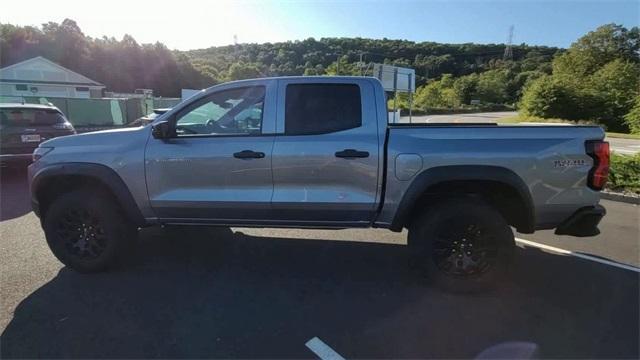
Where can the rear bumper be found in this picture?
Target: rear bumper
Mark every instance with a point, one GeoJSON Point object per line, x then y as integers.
{"type": "Point", "coordinates": [584, 222]}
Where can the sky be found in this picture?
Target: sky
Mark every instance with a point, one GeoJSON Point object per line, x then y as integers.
{"type": "Point", "coordinates": [196, 24]}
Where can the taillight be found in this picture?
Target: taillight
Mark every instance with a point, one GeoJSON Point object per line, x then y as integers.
{"type": "Point", "coordinates": [599, 173]}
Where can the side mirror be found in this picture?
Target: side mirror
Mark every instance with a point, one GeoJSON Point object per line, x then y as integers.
{"type": "Point", "coordinates": [163, 130]}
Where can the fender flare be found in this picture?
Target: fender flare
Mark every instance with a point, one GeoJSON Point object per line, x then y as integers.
{"type": "Point", "coordinates": [441, 174]}
{"type": "Point", "coordinates": [98, 172]}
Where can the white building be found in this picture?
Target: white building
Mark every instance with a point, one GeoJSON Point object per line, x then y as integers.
{"type": "Point", "coordinates": [44, 78]}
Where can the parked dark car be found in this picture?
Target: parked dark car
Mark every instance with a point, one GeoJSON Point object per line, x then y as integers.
{"type": "Point", "coordinates": [24, 126]}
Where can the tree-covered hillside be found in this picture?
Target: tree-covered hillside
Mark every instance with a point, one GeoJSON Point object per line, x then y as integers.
{"type": "Point", "coordinates": [331, 56]}
{"type": "Point", "coordinates": [596, 79]}
{"type": "Point", "coordinates": [124, 65]}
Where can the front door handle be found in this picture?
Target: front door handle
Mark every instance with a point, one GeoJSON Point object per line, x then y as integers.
{"type": "Point", "coordinates": [351, 153]}
{"type": "Point", "coordinates": [248, 154]}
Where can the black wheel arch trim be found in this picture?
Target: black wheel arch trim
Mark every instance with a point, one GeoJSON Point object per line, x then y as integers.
{"type": "Point", "coordinates": [98, 172]}
{"type": "Point", "coordinates": [441, 174]}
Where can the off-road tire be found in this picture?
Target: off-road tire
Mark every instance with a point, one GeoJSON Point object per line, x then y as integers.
{"type": "Point", "coordinates": [86, 230]}
{"type": "Point", "coordinates": [445, 239]}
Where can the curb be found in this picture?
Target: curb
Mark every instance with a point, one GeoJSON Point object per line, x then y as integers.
{"type": "Point", "coordinates": [629, 199]}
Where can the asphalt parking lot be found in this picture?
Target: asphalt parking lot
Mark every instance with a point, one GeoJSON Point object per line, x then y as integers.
{"type": "Point", "coordinates": [254, 293]}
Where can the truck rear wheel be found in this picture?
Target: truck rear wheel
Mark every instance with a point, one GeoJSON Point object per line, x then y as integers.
{"type": "Point", "coordinates": [86, 231]}
{"type": "Point", "coordinates": [462, 245]}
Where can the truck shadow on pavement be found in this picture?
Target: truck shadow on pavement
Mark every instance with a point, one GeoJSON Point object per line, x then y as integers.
{"type": "Point", "coordinates": [14, 192]}
{"type": "Point", "coordinates": [210, 293]}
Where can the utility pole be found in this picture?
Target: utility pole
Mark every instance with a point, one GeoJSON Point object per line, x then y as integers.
{"type": "Point", "coordinates": [508, 50]}
{"type": "Point", "coordinates": [235, 46]}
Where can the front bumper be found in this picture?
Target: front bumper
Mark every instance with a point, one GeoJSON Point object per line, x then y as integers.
{"type": "Point", "coordinates": [584, 222]}
{"type": "Point", "coordinates": [31, 171]}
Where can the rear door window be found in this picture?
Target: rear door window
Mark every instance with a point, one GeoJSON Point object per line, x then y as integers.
{"type": "Point", "coordinates": [322, 108]}
{"type": "Point", "coordinates": [30, 117]}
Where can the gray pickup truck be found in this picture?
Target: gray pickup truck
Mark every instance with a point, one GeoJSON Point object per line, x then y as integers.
{"type": "Point", "coordinates": [317, 152]}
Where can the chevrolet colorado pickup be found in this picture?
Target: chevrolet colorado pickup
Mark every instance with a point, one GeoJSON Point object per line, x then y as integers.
{"type": "Point", "coordinates": [318, 152]}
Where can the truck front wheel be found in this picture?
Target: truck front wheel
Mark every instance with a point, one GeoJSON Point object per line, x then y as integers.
{"type": "Point", "coordinates": [86, 231]}
{"type": "Point", "coordinates": [462, 245]}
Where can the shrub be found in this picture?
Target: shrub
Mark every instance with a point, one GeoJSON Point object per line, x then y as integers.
{"type": "Point", "coordinates": [625, 173]}
{"type": "Point", "coordinates": [546, 97]}
{"type": "Point", "coordinates": [632, 119]}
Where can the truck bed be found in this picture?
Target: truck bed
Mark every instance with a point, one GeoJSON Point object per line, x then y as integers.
{"type": "Point", "coordinates": [551, 161]}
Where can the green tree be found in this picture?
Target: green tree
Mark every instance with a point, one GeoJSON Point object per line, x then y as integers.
{"type": "Point", "coordinates": [492, 86]}
{"type": "Point", "coordinates": [521, 80]}
{"type": "Point", "coordinates": [429, 96]}
{"type": "Point", "coordinates": [597, 48]}
{"type": "Point", "coordinates": [616, 84]}
{"type": "Point", "coordinates": [548, 98]}
{"type": "Point", "coordinates": [465, 87]}
{"type": "Point", "coordinates": [66, 42]}
{"type": "Point", "coordinates": [596, 79]}
{"type": "Point", "coordinates": [446, 81]}
{"type": "Point", "coordinates": [343, 67]}
{"type": "Point", "coordinates": [437, 94]}
{"type": "Point", "coordinates": [239, 71]}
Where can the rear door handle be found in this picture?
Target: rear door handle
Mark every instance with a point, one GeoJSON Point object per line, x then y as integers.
{"type": "Point", "coordinates": [248, 154]}
{"type": "Point", "coordinates": [351, 153]}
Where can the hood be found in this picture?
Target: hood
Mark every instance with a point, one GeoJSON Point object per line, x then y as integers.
{"type": "Point", "coordinates": [104, 137]}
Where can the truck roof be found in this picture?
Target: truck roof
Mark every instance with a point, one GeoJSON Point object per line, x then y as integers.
{"type": "Point", "coordinates": [311, 78]}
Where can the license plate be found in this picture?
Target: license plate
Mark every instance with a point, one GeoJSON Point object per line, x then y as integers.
{"type": "Point", "coordinates": [30, 138]}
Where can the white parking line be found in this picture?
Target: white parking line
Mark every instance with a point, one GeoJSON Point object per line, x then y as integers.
{"type": "Point", "coordinates": [322, 350]}
{"type": "Point", "coordinates": [578, 255]}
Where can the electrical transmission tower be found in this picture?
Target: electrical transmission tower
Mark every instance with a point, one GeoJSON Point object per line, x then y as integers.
{"type": "Point", "coordinates": [508, 50]}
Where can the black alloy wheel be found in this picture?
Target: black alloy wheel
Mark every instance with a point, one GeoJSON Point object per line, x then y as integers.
{"type": "Point", "coordinates": [82, 234]}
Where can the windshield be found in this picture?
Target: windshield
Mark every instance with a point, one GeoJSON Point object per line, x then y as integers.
{"type": "Point", "coordinates": [18, 116]}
